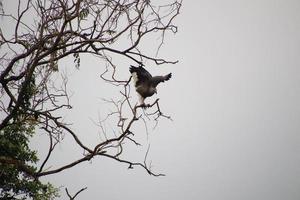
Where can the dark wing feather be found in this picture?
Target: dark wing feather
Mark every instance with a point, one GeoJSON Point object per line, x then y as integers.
{"type": "Point", "coordinates": [142, 75]}
{"type": "Point", "coordinates": [157, 79]}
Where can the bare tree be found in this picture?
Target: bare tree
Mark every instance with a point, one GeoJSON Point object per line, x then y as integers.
{"type": "Point", "coordinates": [43, 32]}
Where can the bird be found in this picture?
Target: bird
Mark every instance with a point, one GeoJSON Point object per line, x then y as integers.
{"type": "Point", "coordinates": [145, 84]}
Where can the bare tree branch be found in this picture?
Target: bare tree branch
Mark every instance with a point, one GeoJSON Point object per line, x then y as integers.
{"type": "Point", "coordinates": [29, 59]}
{"type": "Point", "coordinates": [75, 195]}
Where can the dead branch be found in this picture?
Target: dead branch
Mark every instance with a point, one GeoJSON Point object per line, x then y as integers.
{"type": "Point", "coordinates": [76, 194]}
{"type": "Point", "coordinates": [30, 56]}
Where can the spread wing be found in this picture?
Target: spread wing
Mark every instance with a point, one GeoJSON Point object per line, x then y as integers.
{"type": "Point", "coordinates": [158, 79]}
{"type": "Point", "coordinates": [145, 84]}
{"type": "Point", "coordinates": [140, 75]}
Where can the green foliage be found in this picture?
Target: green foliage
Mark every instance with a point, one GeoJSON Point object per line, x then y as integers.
{"type": "Point", "coordinates": [29, 91]}
{"type": "Point", "coordinates": [17, 174]}
{"type": "Point", "coordinates": [76, 60]}
{"type": "Point", "coordinates": [83, 13]}
{"type": "Point", "coordinates": [14, 143]}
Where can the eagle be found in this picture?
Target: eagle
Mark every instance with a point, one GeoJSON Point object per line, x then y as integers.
{"type": "Point", "coordinates": [145, 83]}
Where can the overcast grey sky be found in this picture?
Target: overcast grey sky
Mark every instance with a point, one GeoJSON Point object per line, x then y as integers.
{"type": "Point", "coordinates": [235, 100]}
